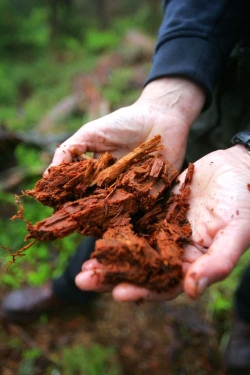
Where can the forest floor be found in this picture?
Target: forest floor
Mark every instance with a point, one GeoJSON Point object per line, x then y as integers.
{"type": "Point", "coordinates": [172, 338]}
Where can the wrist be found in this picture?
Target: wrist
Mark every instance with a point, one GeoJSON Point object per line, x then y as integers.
{"type": "Point", "coordinates": [175, 95]}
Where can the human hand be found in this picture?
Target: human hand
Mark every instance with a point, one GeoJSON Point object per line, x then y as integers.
{"type": "Point", "coordinates": [167, 106]}
{"type": "Point", "coordinates": [219, 215]}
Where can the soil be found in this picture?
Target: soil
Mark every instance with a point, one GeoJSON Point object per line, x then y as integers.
{"type": "Point", "coordinates": [166, 338]}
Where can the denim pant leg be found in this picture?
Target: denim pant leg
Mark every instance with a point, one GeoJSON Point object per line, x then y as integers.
{"type": "Point", "coordinates": [242, 297]}
{"type": "Point", "coordinates": [64, 287]}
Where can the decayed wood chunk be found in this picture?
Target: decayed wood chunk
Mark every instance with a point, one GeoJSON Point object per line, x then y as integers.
{"type": "Point", "coordinates": [128, 257]}
{"type": "Point", "coordinates": [69, 181]}
{"type": "Point", "coordinates": [128, 204]}
{"type": "Point", "coordinates": [90, 216]}
{"type": "Point", "coordinates": [153, 259]}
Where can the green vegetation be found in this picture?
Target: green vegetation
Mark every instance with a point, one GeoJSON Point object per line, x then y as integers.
{"type": "Point", "coordinates": [43, 50]}
{"type": "Point", "coordinates": [90, 361]}
{"type": "Point", "coordinates": [38, 65]}
{"type": "Point", "coordinates": [93, 360]}
{"type": "Point", "coordinates": [39, 60]}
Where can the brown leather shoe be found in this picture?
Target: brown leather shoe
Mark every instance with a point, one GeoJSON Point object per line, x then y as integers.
{"type": "Point", "coordinates": [28, 304]}
{"type": "Point", "coordinates": [237, 355]}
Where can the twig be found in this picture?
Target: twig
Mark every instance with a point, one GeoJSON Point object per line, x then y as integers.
{"type": "Point", "coordinates": [111, 173]}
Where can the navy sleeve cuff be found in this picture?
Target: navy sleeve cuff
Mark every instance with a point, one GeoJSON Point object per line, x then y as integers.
{"type": "Point", "coordinates": [193, 57]}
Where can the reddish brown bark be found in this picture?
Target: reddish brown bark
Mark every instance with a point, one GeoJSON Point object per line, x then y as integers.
{"type": "Point", "coordinates": [128, 204]}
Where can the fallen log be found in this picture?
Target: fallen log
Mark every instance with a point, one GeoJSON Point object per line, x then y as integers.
{"type": "Point", "coordinates": [128, 204]}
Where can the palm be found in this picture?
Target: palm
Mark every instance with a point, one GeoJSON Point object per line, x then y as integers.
{"type": "Point", "coordinates": [123, 130]}
{"type": "Point", "coordinates": [219, 215]}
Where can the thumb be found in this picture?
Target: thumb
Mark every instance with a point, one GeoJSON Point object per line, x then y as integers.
{"type": "Point", "coordinates": [220, 259]}
{"type": "Point", "coordinates": [79, 143]}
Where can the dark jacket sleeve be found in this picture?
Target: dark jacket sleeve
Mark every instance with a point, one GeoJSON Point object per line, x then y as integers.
{"type": "Point", "coordinates": [195, 40]}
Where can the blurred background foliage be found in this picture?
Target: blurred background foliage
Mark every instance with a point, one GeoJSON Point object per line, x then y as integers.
{"type": "Point", "coordinates": [52, 52]}
{"type": "Point", "coordinates": [62, 63]}
{"type": "Point", "coordinates": [55, 52]}
{"type": "Point", "coordinates": [48, 50]}
{"type": "Point", "coordinates": [44, 44]}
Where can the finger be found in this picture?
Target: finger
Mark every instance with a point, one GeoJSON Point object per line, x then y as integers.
{"type": "Point", "coordinates": [219, 260]}
{"type": "Point", "coordinates": [126, 292]}
{"type": "Point", "coordinates": [91, 277]}
{"type": "Point", "coordinates": [91, 281]}
{"type": "Point", "coordinates": [72, 146]}
{"type": "Point", "coordinates": [92, 264]}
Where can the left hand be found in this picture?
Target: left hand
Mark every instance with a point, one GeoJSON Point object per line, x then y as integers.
{"type": "Point", "coordinates": [219, 215]}
{"type": "Point", "coordinates": [167, 106]}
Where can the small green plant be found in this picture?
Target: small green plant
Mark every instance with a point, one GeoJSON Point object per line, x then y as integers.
{"type": "Point", "coordinates": [95, 360]}
{"type": "Point", "coordinates": [32, 353]}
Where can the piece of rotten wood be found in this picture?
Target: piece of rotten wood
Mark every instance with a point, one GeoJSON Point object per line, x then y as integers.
{"type": "Point", "coordinates": [149, 179]}
{"type": "Point", "coordinates": [126, 257]}
{"type": "Point", "coordinates": [88, 216]}
{"type": "Point", "coordinates": [68, 181]}
{"type": "Point", "coordinates": [110, 174]}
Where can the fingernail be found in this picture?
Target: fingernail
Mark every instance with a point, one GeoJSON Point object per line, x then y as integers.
{"type": "Point", "coordinates": [202, 284]}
